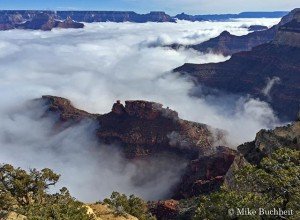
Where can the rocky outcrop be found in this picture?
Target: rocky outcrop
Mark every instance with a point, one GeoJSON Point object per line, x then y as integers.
{"type": "Point", "coordinates": [187, 17]}
{"type": "Point", "coordinates": [250, 72]}
{"type": "Point", "coordinates": [289, 33]}
{"type": "Point", "coordinates": [47, 23]}
{"type": "Point", "coordinates": [143, 129]}
{"type": "Point", "coordinates": [165, 210]}
{"type": "Point", "coordinates": [238, 163]}
{"type": "Point", "coordinates": [205, 174]}
{"type": "Point", "coordinates": [266, 142]}
{"type": "Point", "coordinates": [257, 28]}
{"type": "Point", "coordinates": [64, 110]}
{"type": "Point", "coordinates": [103, 212]}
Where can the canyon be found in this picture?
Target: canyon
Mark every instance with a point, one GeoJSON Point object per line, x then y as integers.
{"type": "Point", "coordinates": [142, 129]}
{"type": "Point", "coordinates": [249, 72]}
{"type": "Point", "coordinates": [47, 20]}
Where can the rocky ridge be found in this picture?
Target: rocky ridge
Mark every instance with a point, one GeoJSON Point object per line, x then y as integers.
{"type": "Point", "coordinates": [47, 20]}
{"type": "Point", "coordinates": [228, 44]}
{"type": "Point", "coordinates": [249, 72]}
{"type": "Point", "coordinates": [224, 17]}
{"type": "Point", "coordinates": [35, 21]}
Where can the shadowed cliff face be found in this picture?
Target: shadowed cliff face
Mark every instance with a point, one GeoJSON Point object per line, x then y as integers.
{"type": "Point", "coordinates": [144, 129]}
{"type": "Point", "coordinates": [251, 72]}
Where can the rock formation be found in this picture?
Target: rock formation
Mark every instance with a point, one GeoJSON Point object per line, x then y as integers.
{"type": "Point", "coordinates": [103, 212]}
{"type": "Point", "coordinates": [266, 142]}
{"type": "Point", "coordinates": [249, 72]}
{"type": "Point", "coordinates": [289, 33]}
{"type": "Point", "coordinates": [228, 44]}
{"type": "Point", "coordinates": [205, 174]}
{"type": "Point", "coordinates": [257, 28]}
{"type": "Point", "coordinates": [45, 21]}
{"type": "Point", "coordinates": [163, 210]}
{"type": "Point", "coordinates": [115, 16]}
{"type": "Point", "coordinates": [143, 129]}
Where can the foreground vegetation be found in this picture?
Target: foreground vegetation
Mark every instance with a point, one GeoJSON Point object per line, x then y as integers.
{"type": "Point", "coordinates": [273, 184]}
{"type": "Point", "coordinates": [25, 193]}
{"type": "Point", "coordinates": [123, 205]}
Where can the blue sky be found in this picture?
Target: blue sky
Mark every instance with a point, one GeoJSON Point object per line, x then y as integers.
{"type": "Point", "coordinates": [142, 6]}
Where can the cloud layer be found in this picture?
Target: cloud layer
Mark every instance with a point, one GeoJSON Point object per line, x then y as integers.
{"type": "Point", "coordinates": [95, 66]}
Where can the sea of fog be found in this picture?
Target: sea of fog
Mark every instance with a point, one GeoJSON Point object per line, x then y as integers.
{"type": "Point", "coordinates": [94, 67]}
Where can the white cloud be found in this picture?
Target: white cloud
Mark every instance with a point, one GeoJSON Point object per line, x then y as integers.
{"type": "Point", "coordinates": [271, 82]}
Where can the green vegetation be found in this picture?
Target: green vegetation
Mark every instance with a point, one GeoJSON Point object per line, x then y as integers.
{"type": "Point", "coordinates": [25, 193]}
{"type": "Point", "coordinates": [121, 204]}
{"type": "Point", "coordinates": [274, 183]}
